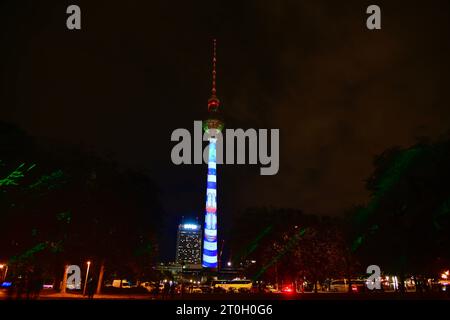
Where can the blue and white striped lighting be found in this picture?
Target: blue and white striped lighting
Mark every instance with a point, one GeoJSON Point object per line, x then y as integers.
{"type": "Point", "coordinates": [210, 232]}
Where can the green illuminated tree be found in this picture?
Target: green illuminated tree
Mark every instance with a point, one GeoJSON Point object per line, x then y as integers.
{"type": "Point", "coordinates": [405, 227]}
{"type": "Point", "coordinates": [64, 205]}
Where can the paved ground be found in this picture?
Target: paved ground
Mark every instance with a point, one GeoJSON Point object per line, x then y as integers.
{"type": "Point", "coordinates": [52, 295]}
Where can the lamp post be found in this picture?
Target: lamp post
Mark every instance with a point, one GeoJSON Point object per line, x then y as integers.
{"type": "Point", "coordinates": [2, 266]}
{"type": "Point", "coordinates": [85, 281]}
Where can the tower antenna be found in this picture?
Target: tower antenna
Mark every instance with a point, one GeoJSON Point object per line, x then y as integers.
{"type": "Point", "coordinates": [213, 102]}
{"type": "Point", "coordinates": [213, 90]}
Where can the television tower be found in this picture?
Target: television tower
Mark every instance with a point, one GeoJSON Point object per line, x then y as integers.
{"type": "Point", "coordinates": [212, 125]}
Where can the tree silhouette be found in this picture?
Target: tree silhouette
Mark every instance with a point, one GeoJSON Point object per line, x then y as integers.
{"type": "Point", "coordinates": [63, 205]}
{"type": "Point", "coordinates": [405, 227]}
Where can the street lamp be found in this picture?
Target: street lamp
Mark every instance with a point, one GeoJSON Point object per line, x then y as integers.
{"type": "Point", "coordinates": [87, 273]}
{"type": "Point", "coordinates": [2, 266]}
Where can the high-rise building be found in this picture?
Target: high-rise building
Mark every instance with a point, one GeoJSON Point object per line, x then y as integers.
{"type": "Point", "coordinates": [212, 125]}
{"type": "Point", "coordinates": [189, 244]}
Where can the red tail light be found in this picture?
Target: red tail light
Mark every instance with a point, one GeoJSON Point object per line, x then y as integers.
{"type": "Point", "coordinates": [287, 290]}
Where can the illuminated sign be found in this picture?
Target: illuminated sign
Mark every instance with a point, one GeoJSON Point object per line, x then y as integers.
{"type": "Point", "coordinates": [189, 226]}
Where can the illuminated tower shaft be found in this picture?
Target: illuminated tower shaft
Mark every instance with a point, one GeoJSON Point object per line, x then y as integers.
{"type": "Point", "coordinates": [210, 233]}
{"type": "Point", "coordinates": [211, 125]}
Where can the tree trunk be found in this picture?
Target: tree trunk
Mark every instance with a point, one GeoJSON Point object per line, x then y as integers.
{"type": "Point", "coordinates": [100, 278]}
{"type": "Point", "coordinates": [64, 280]}
{"type": "Point", "coordinates": [276, 276]}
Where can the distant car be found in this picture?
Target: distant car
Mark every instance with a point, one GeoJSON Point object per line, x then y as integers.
{"type": "Point", "coordinates": [197, 289]}
{"type": "Point", "coordinates": [445, 285]}
{"type": "Point", "coordinates": [441, 285]}
{"type": "Point", "coordinates": [150, 287]}
{"type": "Point", "coordinates": [205, 289]}
{"type": "Point", "coordinates": [358, 285]}
{"type": "Point", "coordinates": [125, 284]}
{"type": "Point", "coordinates": [340, 285]}
{"type": "Point", "coordinates": [236, 285]}
{"type": "Point", "coordinates": [270, 289]}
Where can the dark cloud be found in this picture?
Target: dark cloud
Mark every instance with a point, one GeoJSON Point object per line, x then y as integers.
{"type": "Point", "coordinates": [137, 70]}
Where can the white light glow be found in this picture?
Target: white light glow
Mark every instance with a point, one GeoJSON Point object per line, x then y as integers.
{"type": "Point", "coordinates": [190, 226]}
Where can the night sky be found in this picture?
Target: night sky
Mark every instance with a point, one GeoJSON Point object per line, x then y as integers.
{"type": "Point", "coordinates": [339, 93]}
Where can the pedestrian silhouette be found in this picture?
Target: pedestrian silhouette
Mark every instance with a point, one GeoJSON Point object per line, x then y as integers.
{"type": "Point", "coordinates": [91, 288]}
